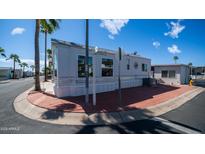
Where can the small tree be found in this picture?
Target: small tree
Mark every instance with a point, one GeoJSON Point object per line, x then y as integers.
{"type": "Point", "coordinates": [49, 53]}
{"type": "Point", "coordinates": [50, 61]}
{"type": "Point", "coordinates": [175, 59]}
{"type": "Point", "coordinates": [15, 59]}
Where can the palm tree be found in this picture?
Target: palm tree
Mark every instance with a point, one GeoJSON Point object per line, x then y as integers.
{"type": "Point", "coordinates": [23, 65]}
{"type": "Point", "coordinates": [15, 59]}
{"type": "Point", "coordinates": [37, 58]}
{"type": "Point", "coordinates": [175, 59]}
{"type": "Point", "coordinates": [2, 52]}
{"type": "Point", "coordinates": [190, 65]}
{"type": "Point", "coordinates": [48, 27]}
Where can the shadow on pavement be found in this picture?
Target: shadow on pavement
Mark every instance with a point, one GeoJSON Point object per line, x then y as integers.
{"type": "Point", "coordinates": [137, 127]}
{"type": "Point", "coordinates": [145, 125]}
{"type": "Point", "coordinates": [181, 124]}
{"type": "Point", "coordinates": [50, 114]}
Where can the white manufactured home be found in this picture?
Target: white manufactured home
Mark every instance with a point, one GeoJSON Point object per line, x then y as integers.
{"type": "Point", "coordinates": [69, 69]}
{"type": "Point", "coordinates": [173, 74]}
{"type": "Point", "coordinates": [5, 73]}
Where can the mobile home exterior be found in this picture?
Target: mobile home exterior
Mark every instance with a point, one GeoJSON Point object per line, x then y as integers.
{"type": "Point", "coordinates": [69, 69]}
{"type": "Point", "coordinates": [173, 74]}
{"type": "Point", "coordinates": [5, 73]}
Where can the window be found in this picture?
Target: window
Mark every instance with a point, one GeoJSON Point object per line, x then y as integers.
{"type": "Point", "coordinates": [128, 64]}
{"type": "Point", "coordinates": [172, 74]}
{"type": "Point", "coordinates": [144, 67]}
{"type": "Point", "coordinates": [81, 66]}
{"type": "Point", "coordinates": [107, 67]}
{"type": "Point", "coordinates": [135, 65]}
{"type": "Point", "coordinates": [168, 74]}
{"type": "Point", "coordinates": [164, 74]}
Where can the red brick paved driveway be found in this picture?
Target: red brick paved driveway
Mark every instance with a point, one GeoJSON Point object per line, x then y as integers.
{"type": "Point", "coordinates": [132, 98]}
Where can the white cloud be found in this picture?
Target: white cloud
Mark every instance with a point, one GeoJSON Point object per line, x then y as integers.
{"type": "Point", "coordinates": [156, 44]}
{"type": "Point", "coordinates": [176, 29]}
{"type": "Point", "coordinates": [174, 49]}
{"type": "Point", "coordinates": [113, 26]}
{"type": "Point", "coordinates": [18, 30]}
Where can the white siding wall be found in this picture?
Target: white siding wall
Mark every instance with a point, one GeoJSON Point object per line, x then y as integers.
{"type": "Point", "coordinates": [68, 83]}
{"type": "Point", "coordinates": [182, 74]}
{"type": "Point", "coordinates": [171, 81]}
{"type": "Point", "coordinates": [185, 74]}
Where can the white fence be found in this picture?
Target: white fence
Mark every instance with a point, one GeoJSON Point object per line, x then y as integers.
{"type": "Point", "coordinates": [195, 77]}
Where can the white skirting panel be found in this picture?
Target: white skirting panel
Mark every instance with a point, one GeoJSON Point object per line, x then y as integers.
{"type": "Point", "coordinates": [78, 90]}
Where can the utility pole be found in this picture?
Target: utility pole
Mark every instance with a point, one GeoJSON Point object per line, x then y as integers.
{"type": "Point", "coordinates": [94, 76]}
{"type": "Point", "coordinates": [86, 64]}
{"type": "Point", "coordinates": [119, 80]}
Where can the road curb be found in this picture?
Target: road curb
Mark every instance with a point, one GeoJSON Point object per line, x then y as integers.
{"type": "Point", "coordinates": [23, 107]}
{"type": "Point", "coordinates": [174, 103]}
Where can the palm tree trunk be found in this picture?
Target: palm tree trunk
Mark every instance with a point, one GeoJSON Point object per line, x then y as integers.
{"type": "Point", "coordinates": [37, 58]}
{"type": "Point", "coordinates": [14, 70]}
{"type": "Point", "coordinates": [45, 70]}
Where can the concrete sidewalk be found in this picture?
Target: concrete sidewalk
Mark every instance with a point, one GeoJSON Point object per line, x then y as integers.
{"type": "Point", "coordinates": [31, 111]}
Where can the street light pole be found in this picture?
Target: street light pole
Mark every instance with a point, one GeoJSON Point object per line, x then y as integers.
{"type": "Point", "coordinates": [86, 64]}
{"type": "Point", "coordinates": [45, 67]}
{"type": "Point", "coordinates": [94, 76]}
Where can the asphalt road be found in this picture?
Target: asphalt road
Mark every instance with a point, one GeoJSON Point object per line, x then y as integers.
{"type": "Point", "coordinates": [191, 114]}
{"type": "Point", "coordinates": [185, 119]}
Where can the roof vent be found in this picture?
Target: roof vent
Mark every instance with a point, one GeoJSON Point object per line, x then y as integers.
{"type": "Point", "coordinates": [135, 53]}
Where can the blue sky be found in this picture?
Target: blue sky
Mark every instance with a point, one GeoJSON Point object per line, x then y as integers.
{"type": "Point", "coordinates": [159, 40]}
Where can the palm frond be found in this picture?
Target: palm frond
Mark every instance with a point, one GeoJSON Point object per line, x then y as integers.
{"type": "Point", "coordinates": [2, 54]}
{"type": "Point", "coordinates": [49, 25]}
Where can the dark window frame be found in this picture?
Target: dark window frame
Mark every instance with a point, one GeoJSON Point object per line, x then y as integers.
{"type": "Point", "coordinates": [108, 69]}
{"type": "Point", "coordinates": [174, 74]}
{"type": "Point", "coordinates": [81, 68]}
{"type": "Point", "coordinates": [144, 67]}
{"type": "Point", "coordinates": [167, 74]}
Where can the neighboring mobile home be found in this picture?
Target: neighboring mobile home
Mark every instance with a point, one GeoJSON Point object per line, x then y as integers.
{"type": "Point", "coordinates": [69, 69]}
{"type": "Point", "coordinates": [18, 73]}
{"type": "Point", "coordinates": [200, 70]}
{"type": "Point", "coordinates": [5, 73]}
{"type": "Point", "coordinates": [174, 74]}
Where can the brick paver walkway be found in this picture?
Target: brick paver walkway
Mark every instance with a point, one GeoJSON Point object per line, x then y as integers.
{"type": "Point", "coordinates": [132, 98]}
